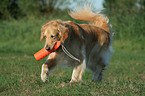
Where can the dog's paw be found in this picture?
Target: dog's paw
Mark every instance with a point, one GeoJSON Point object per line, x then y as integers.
{"type": "Point", "coordinates": [76, 81]}
{"type": "Point", "coordinates": [44, 77]}
{"type": "Point", "coordinates": [44, 74]}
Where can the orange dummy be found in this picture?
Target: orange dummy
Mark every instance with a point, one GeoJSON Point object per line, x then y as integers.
{"type": "Point", "coordinates": [43, 52]}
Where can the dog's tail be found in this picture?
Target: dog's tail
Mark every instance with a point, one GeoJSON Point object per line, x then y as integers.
{"type": "Point", "coordinates": [86, 14]}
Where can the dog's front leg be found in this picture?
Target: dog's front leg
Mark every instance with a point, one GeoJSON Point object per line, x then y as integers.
{"type": "Point", "coordinates": [78, 72]}
{"type": "Point", "coordinates": [48, 66]}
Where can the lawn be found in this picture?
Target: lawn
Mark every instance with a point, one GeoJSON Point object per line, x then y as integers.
{"type": "Point", "coordinates": [20, 72]}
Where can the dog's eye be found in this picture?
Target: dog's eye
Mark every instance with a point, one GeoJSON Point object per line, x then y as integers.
{"type": "Point", "coordinates": [45, 37]}
{"type": "Point", "coordinates": [52, 36]}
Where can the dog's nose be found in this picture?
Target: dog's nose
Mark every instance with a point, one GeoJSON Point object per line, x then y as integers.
{"type": "Point", "coordinates": [47, 47]}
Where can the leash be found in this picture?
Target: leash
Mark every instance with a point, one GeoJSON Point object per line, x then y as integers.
{"type": "Point", "coordinates": [68, 54]}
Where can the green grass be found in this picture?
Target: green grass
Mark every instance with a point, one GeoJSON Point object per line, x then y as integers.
{"type": "Point", "coordinates": [20, 72]}
{"type": "Point", "coordinates": [20, 75]}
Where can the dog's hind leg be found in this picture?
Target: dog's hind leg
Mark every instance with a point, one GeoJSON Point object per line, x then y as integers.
{"type": "Point", "coordinates": [98, 74]}
{"type": "Point", "coordinates": [48, 66]}
{"type": "Point", "coordinates": [97, 67]}
{"type": "Point", "coordinates": [95, 63]}
{"type": "Point", "coordinates": [102, 63]}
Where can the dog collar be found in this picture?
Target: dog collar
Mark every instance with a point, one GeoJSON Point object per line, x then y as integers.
{"type": "Point", "coordinates": [56, 46]}
{"type": "Point", "coordinates": [68, 54]}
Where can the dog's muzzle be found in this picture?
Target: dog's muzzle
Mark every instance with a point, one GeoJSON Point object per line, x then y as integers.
{"type": "Point", "coordinates": [47, 48]}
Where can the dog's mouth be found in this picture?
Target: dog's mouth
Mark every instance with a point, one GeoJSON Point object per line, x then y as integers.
{"type": "Point", "coordinates": [55, 46]}
{"type": "Point", "coordinates": [47, 48]}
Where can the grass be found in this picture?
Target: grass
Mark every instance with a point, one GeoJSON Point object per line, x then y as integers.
{"type": "Point", "coordinates": [20, 75]}
{"type": "Point", "coordinates": [20, 72]}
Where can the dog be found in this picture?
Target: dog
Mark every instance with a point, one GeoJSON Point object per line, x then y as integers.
{"type": "Point", "coordinates": [82, 45]}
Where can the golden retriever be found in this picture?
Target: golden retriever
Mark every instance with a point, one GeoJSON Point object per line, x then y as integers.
{"type": "Point", "coordinates": [83, 45]}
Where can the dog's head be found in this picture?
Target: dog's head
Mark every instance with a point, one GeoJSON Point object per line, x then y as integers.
{"type": "Point", "coordinates": [52, 32]}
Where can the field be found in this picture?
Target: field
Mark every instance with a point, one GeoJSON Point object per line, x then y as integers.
{"type": "Point", "coordinates": [20, 72]}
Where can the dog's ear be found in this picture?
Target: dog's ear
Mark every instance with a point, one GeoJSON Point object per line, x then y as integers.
{"type": "Point", "coordinates": [63, 32]}
{"type": "Point", "coordinates": [42, 31]}
{"type": "Point", "coordinates": [42, 36]}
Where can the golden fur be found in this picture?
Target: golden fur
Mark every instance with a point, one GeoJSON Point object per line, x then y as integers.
{"type": "Point", "coordinates": [91, 43]}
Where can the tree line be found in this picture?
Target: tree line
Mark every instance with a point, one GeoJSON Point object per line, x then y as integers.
{"type": "Point", "coordinates": [21, 8]}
